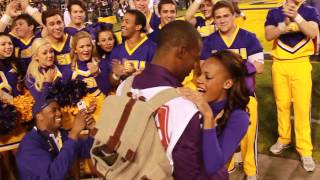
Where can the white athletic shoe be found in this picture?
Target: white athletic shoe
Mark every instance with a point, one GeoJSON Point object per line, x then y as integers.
{"type": "Point", "coordinates": [308, 163]}
{"type": "Point", "coordinates": [277, 148]}
{"type": "Point", "coordinates": [252, 177]}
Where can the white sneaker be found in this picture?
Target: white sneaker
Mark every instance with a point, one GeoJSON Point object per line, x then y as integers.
{"type": "Point", "coordinates": [252, 177]}
{"type": "Point", "coordinates": [277, 148]}
{"type": "Point", "coordinates": [308, 163]}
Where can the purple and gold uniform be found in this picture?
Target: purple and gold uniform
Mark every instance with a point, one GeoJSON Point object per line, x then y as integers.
{"type": "Point", "coordinates": [291, 77]}
{"type": "Point", "coordinates": [43, 93]}
{"type": "Point", "coordinates": [98, 86]}
{"type": "Point", "coordinates": [247, 45]}
{"type": "Point", "coordinates": [8, 80]}
{"type": "Point", "coordinates": [139, 56]}
{"type": "Point", "coordinates": [8, 84]}
{"type": "Point", "coordinates": [244, 43]}
{"type": "Point", "coordinates": [293, 45]}
{"type": "Point", "coordinates": [205, 28]}
{"type": "Point", "coordinates": [62, 55]}
{"type": "Point", "coordinates": [90, 29]}
{"type": "Point", "coordinates": [23, 50]}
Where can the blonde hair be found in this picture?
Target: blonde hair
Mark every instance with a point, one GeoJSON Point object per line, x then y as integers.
{"type": "Point", "coordinates": [74, 41]}
{"type": "Point", "coordinates": [33, 68]}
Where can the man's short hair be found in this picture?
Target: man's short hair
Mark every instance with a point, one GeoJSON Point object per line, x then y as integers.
{"type": "Point", "coordinates": [162, 2]}
{"type": "Point", "coordinates": [49, 13]}
{"type": "Point", "coordinates": [177, 33]}
{"type": "Point", "coordinates": [26, 17]}
{"type": "Point", "coordinates": [140, 18]}
{"type": "Point", "coordinates": [76, 2]}
{"type": "Point", "coordinates": [223, 4]}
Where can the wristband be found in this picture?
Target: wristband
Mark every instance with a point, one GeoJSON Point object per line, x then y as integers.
{"type": "Point", "coordinates": [298, 19]}
{"type": "Point", "coordinates": [30, 10]}
{"type": "Point", "coordinates": [5, 19]}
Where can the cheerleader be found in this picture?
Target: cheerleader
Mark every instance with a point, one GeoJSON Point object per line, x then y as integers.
{"type": "Point", "coordinates": [222, 99]}
{"type": "Point", "coordinates": [9, 78]}
{"type": "Point", "coordinates": [42, 72]}
{"type": "Point", "coordinates": [86, 67]}
{"type": "Point", "coordinates": [106, 41]}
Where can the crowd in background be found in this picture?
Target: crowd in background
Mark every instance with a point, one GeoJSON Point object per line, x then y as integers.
{"type": "Point", "coordinates": [96, 8]}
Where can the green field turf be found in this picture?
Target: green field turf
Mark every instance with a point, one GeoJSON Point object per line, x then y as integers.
{"type": "Point", "coordinates": [267, 113]}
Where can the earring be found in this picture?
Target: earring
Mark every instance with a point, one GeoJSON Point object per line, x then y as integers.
{"type": "Point", "coordinates": [227, 85]}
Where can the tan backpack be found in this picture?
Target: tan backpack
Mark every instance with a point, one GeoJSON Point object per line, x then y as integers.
{"type": "Point", "coordinates": [127, 145]}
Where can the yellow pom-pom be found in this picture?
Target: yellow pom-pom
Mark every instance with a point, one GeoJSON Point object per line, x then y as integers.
{"type": "Point", "coordinates": [24, 104]}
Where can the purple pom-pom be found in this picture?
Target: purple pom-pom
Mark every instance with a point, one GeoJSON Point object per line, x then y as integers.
{"type": "Point", "coordinates": [68, 93]}
{"type": "Point", "coordinates": [9, 117]}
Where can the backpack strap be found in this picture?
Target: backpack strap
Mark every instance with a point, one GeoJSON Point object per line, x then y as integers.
{"type": "Point", "coordinates": [162, 97]}
{"type": "Point", "coordinates": [113, 142]}
{"type": "Point", "coordinates": [127, 85]}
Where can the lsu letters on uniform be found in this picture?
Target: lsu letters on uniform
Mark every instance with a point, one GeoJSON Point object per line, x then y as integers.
{"type": "Point", "coordinates": [138, 56]}
{"type": "Point", "coordinates": [62, 54]}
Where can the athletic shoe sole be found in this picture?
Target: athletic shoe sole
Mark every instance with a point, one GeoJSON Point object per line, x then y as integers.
{"type": "Point", "coordinates": [284, 148]}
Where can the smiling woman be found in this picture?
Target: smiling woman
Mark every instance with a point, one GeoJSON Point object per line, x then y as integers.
{"type": "Point", "coordinates": [87, 67]}
{"type": "Point", "coordinates": [41, 72]}
{"type": "Point", "coordinates": [222, 99]}
{"type": "Point", "coordinates": [8, 88]}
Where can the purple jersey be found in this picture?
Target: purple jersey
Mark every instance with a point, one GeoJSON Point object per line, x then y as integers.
{"type": "Point", "coordinates": [41, 94]}
{"type": "Point", "coordinates": [138, 56]}
{"type": "Point", "coordinates": [23, 50]}
{"type": "Point", "coordinates": [96, 84]}
{"type": "Point", "coordinates": [154, 35]}
{"type": "Point", "coordinates": [91, 29]}
{"type": "Point", "coordinates": [205, 28]}
{"type": "Point", "coordinates": [244, 43]}
{"type": "Point", "coordinates": [62, 55]}
{"type": "Point", "coordinates": [296, 44]}
{"type": "Point", "coordinates": [153, 20]}
{"type": "Point", "coordinates": [201, 22]}
{"type": "Point", "coordinates": [8, 80]}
